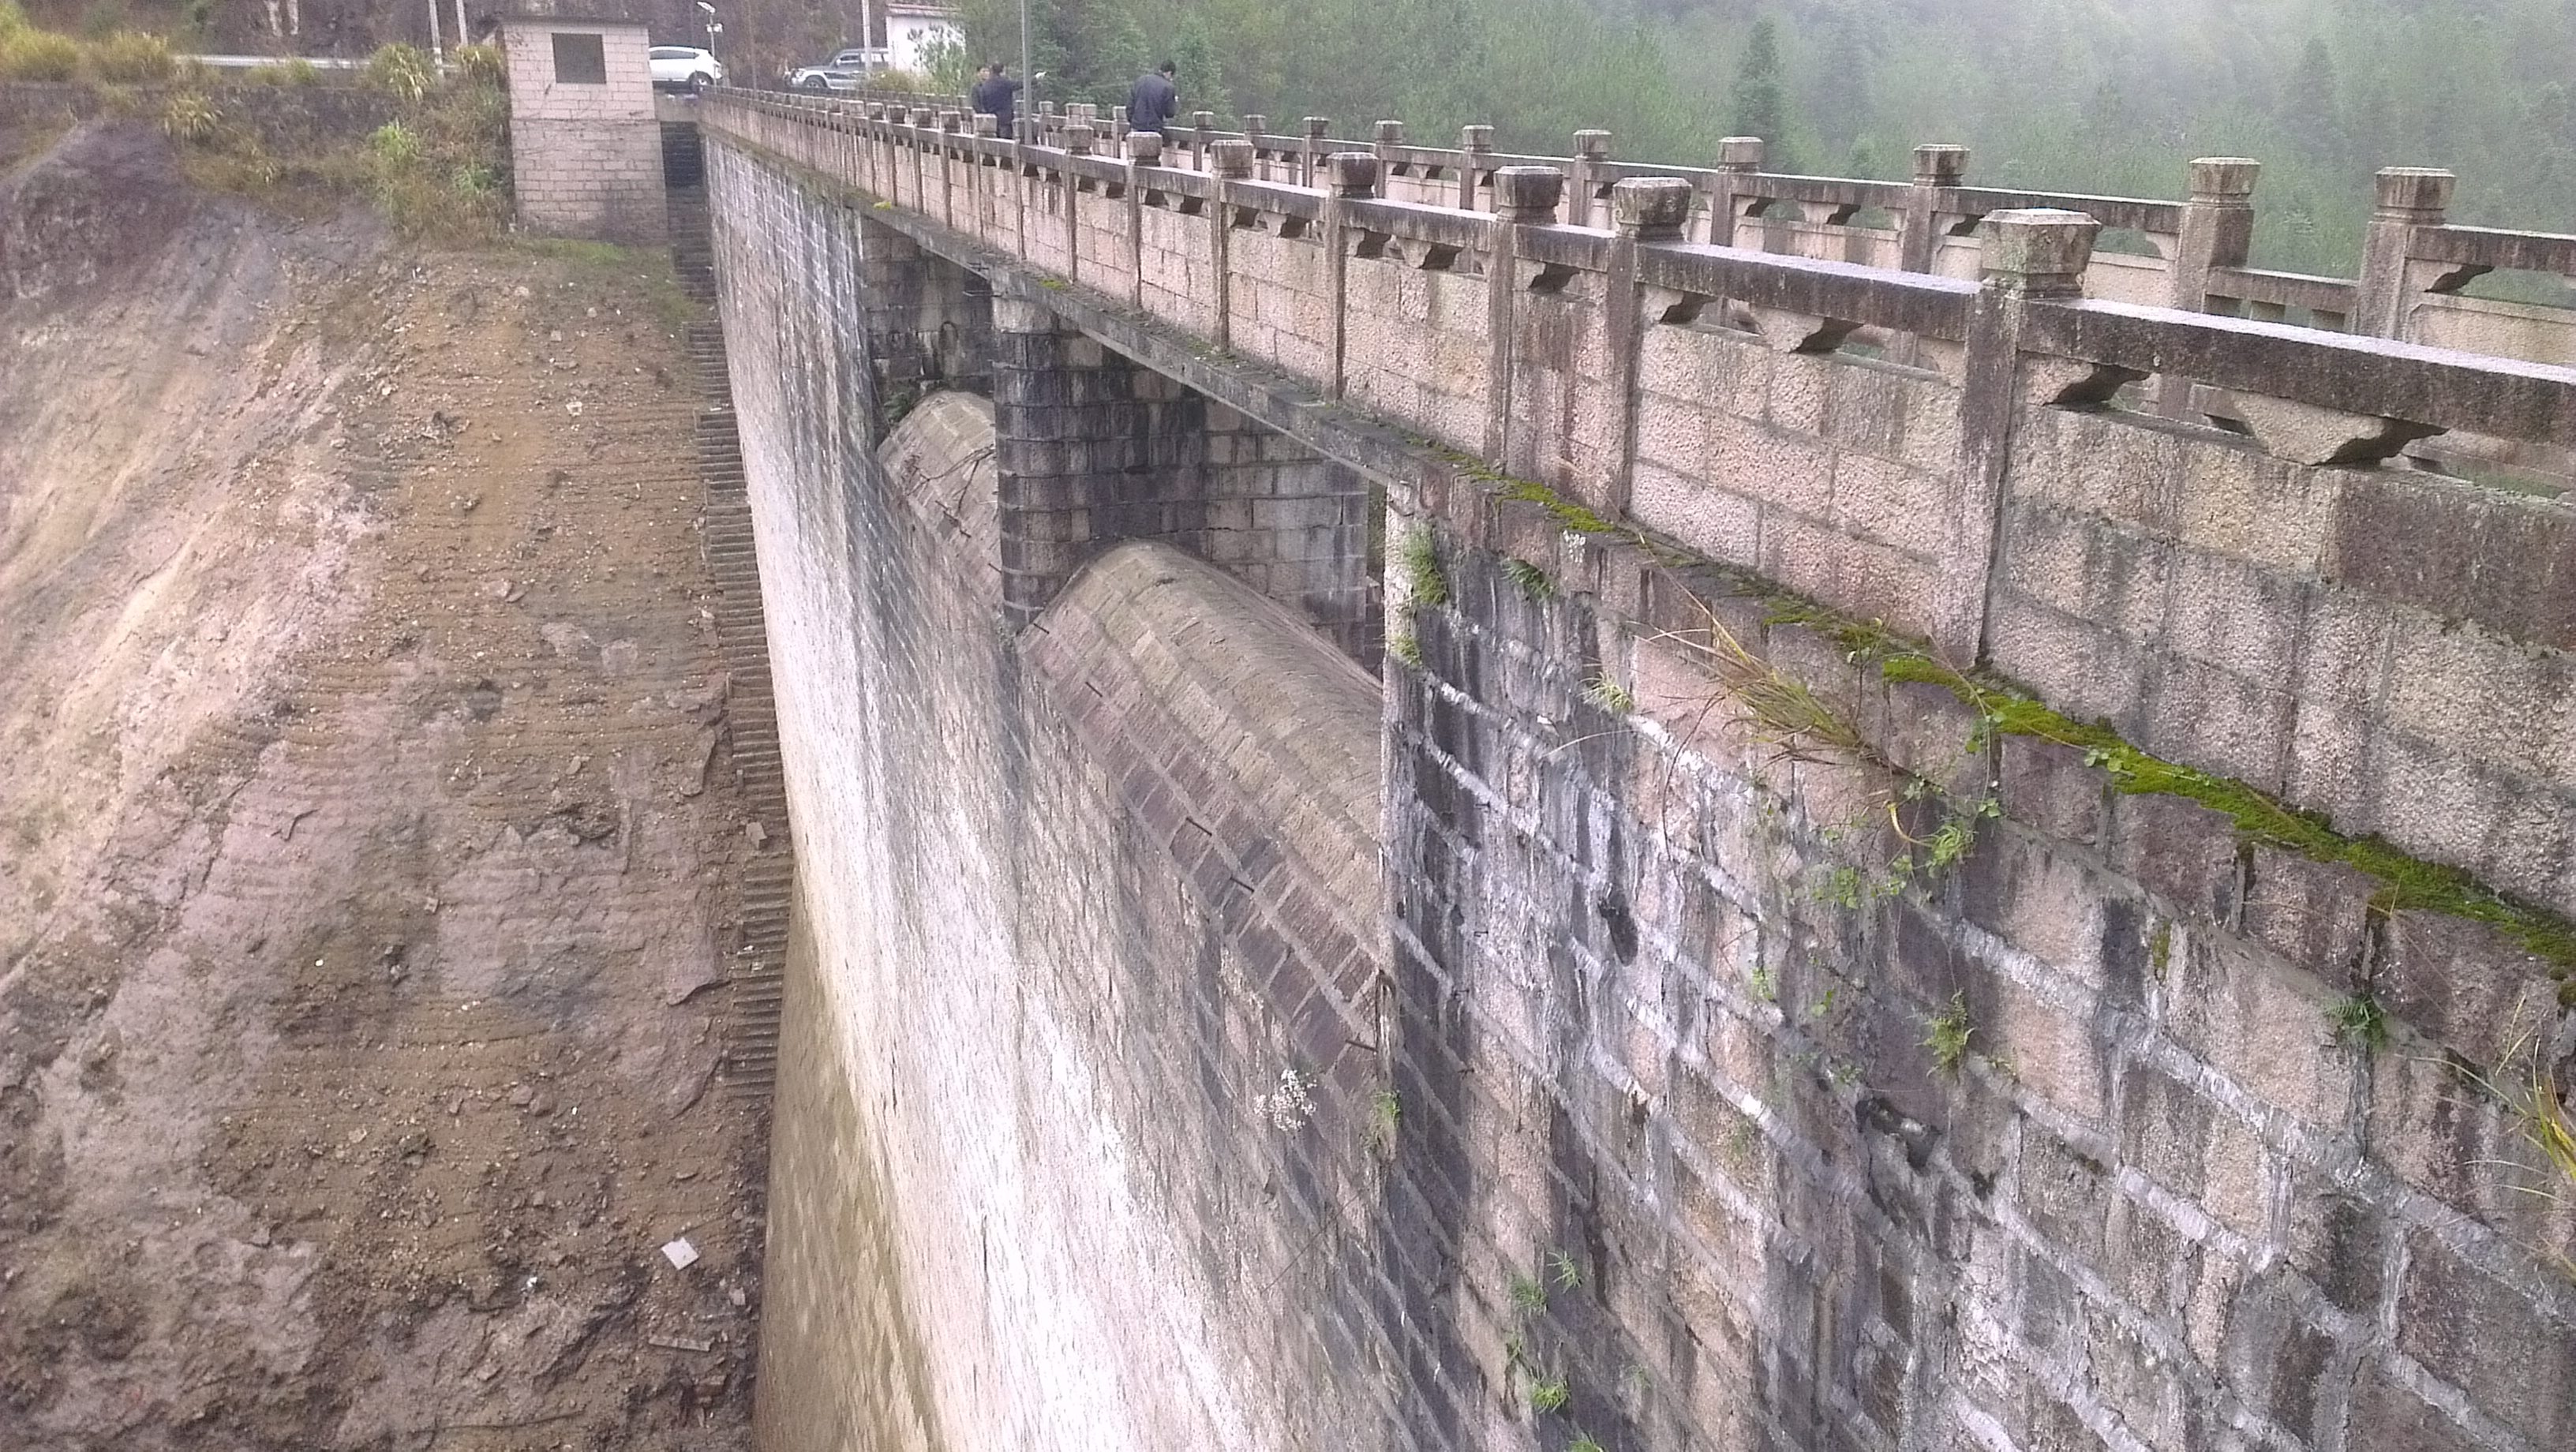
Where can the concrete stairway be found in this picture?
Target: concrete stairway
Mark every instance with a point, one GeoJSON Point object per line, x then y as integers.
{"type": "Point", "coordinates": [757, 969]}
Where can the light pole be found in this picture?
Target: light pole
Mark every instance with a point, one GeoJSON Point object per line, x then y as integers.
{"type": "Point", "coordinates": [713, 29]}
{"type": "Point", "coordinates": [1028, 68]}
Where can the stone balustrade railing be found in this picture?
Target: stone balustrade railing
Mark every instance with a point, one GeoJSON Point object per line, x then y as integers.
{"type": "Point", "coordinates": [2209, 530]}
{"type": "Point", "coordinates": [2194, 257]}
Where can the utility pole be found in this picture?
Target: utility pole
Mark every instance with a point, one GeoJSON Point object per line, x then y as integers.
{"type": "Point", "coordinates": [1028, 69]}
{"type": "Point", "coordinates": [437, 49]}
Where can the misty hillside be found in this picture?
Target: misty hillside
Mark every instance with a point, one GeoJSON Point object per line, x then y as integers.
{"type": "Point", "coordinates": [2096, 95]}
{"type": "Point", "coordinates": [2077, 95]}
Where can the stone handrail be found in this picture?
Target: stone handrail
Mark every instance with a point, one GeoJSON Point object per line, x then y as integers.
{"type": "Point", "coordinates": [2198, 245]}
{"type": "Point", "coordinates": [1907, 447]}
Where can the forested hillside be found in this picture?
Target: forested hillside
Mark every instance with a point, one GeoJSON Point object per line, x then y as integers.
{"type": "Point", "coordinates": [2085, 95]}
{"type": "Point", "coordinates": [2097, 95]}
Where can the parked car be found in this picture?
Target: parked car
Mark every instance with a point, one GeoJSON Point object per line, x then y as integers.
{"type": "Point", "coordinates": [846, 71]}
{"type": "Point", "coordinates": [680, 68]}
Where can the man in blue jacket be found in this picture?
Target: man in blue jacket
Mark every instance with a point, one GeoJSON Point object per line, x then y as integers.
{"type": "Point", "coordinates": [1154, 101]}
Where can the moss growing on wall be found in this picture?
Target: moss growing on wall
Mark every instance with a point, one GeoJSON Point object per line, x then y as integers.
{"type": "Point", "coordinates": [2005, 709]}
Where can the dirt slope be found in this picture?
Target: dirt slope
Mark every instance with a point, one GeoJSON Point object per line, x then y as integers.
{"type": "Point", "coordinates": [368, 844]}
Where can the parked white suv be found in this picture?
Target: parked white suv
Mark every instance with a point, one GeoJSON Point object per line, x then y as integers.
{"type": "Point", "coordinates": [679, 68]}
{"type": "Point", "coordinates": [846, 71]}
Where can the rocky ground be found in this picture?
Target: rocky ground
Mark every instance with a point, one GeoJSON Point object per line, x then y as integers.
{"type": "Point", "coordinates": [369, 844]}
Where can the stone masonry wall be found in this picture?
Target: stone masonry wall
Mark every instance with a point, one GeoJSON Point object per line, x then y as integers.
{"type": "Point", "coordinates": [586, 160]}
{"type": "Point", "coordinates": [1096, 449]}
{"type": "Point", "coordinates": [1079, 894]}
{"type": "Point", "coordinates": [2150, 1199]}
{"type": "Point", "coordinates": [1796, 1033]}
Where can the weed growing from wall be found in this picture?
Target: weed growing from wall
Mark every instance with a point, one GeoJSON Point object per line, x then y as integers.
{"type": "Point", "coordinates": [2359, 1023]}
{"type": "Point", "coordinates": [1424, 584]}
{"type": "Point", "coordinates": [1947, 1033]}
{"type": "Point", "coordinates": [1565, 1271]}
{"type": "Point", "coordinates": [1530, 580]}
{"type": "Point", "coordinates": [1608, 695]}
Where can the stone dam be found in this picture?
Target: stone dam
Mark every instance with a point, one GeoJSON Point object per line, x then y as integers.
{"type": "Point", "coordinates": [1450, 800]}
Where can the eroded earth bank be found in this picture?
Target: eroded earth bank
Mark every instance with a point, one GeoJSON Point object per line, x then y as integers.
{"type": "Point", "coordinates": [370, 842]}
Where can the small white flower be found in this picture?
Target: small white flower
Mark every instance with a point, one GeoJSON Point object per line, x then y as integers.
{"type": "Point", "coordinates": [1288, 1107]}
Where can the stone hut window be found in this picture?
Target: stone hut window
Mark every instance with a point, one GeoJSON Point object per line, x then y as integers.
{"type": "Point", "coordinates": [580, 60]}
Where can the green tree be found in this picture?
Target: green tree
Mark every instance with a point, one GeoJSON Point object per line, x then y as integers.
{"type": "Point", "coordinates": [1761, 100]}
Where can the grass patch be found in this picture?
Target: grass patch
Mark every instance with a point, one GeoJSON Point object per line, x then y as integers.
{"type": "Point", "coordinates": [27, 54]}
{"type": "Point", "coordinates": [1565, 1271]}
{"type": "Point", "coordinates": [1530, 580]}
{"type": "Point", "coordinates": [1947, 1033]}
{"type": "Point", "coordinates": [1608, 695]}
{"type": "Point", "coordinates": [1424, 584]}
{"type": "Point", "coordinates": [1550, 1394]}
{"type": "Point", "coordinates": [438, 171]}
{"type": "Point", "coordinates": [1529, 1293]}
{"type": "Point", "coordinates": [1404, 647]}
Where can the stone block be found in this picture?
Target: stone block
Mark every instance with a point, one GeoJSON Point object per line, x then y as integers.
{"type": "Point", "coordinates": [2064, 1194]}
{"type": "Point", "coordinates": [2054, 788]}
{"type": "Point", "coordinates": [2385, 1416]}
{"type": "Point", "coordinates": [2241, 502]}
{"type": "Point", "coordinates": [2343, 1242]}
{"type": "Point", "coordinates": [2112, 578]}
{"type": "Point", "coordinates": [2230, 725]}
{"type": "Point", "coordinates": [2195, 1148]}
{"type": "Point", "coordinates": [2047, 902]}
{"type": "Point", "coordinates": [2464, 985]}
{"type": "Point", "coordinates": [1758, 462]}
{"type": "Point", "coordinates": [2514, 1354]}
{"type": "Point", "coordinates": [2084, 672]}
{"type": "Point", "coordinates": [2182, 852]}
{"type": "Point", "coordinates": [2264, 1026]}
{"type": "Point", "coordinates": [1890, 503]}
{"type": "Point", "coordinates": [2315, 914]}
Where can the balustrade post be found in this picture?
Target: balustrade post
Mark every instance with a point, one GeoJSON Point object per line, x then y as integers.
{"type": "Point", "coordinates": [1389, 137]}
{"type": "Point", "coordinates": [1228, 162]}
{"type": "Point", "coordinates": [1310, 161]}
{"type": "Point", "coordinates": [2408, 197]}
{"type": "Point", "coordinates": [1738, 159]}
{"type": "Point", "coordinates": [1354, 177]}
{"type": "Point", "coordinates": [2217, 231]}
{"type": "Point", "coordinates": [1202, 136]}
{"type": "Point", "coordinates": [1584, 188]}
{"type": "Point", "coordinates": [1254, 129]}
{"type": "Point", "coordinates": [1524, 196]}
{"type": "Point", "coordinates": [1476, 141]}
{"type": "Point", "coordinates": [1937, 169]}
{"type": "Point", "coordinates": [2027, 256]}
{"type": "Point", "coordinates": [1643, 211]}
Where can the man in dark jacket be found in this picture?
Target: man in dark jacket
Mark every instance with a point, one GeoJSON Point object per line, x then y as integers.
{"type": "Point", "coordinates": [997, 96]}
{"type": "Point", "coordinates": [1154, 101]}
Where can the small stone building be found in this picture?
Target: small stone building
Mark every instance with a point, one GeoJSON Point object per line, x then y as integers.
{"type": "Point", "coordinates": [585, 149]}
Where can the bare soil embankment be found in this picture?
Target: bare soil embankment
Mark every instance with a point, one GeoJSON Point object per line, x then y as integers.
{"type": "Point", "coordinates": [367, 841]}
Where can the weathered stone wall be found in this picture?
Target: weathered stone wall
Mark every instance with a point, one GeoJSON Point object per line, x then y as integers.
{"type": "Point", "coordinates": [1796, 1035]}
{"type": "Point", "coordinates": [585, 159]}
{"type": "Point", "coordinates": [1661, 961]}
{"type": "Point", "coordinates": [1078, 895]}
{"type": "Point", "coordinates": [1095, 449]}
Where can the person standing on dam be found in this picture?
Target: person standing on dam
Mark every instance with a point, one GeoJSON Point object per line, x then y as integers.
{"type": "Point", "coordinates": [997, 95]}
{"type": "Point", "coordinates": [1153, 101]}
